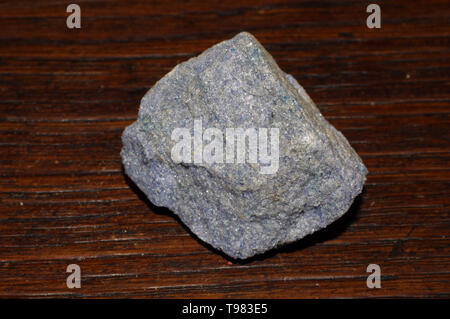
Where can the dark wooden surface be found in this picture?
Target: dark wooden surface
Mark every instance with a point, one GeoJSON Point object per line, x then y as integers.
{"type": "Point", "coordinates": [66, 95]}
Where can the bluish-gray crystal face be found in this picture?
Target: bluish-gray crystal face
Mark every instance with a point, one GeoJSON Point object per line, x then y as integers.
{"type": "Point", "coordinates": [235, 206]}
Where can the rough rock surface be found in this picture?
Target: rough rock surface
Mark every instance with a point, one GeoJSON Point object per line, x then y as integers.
{"type": "Point", "coordinates": [234, 207]}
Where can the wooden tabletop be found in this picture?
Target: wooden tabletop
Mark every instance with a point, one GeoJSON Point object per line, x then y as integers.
{"type": "Point", "coordinates": [67, 94]}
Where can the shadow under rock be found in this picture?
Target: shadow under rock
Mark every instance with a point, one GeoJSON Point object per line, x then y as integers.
{"type": "Point", "coordinates": [330, 232]}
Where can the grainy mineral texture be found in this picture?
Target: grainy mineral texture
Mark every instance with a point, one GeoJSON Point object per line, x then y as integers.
{"type": "Point", "coordinates": [241, 208]}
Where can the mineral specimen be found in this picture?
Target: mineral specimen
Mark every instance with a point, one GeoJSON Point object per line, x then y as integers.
{"type": "Point", "coordinates": [201, 147]}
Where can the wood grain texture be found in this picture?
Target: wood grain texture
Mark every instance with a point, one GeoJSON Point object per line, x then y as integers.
{"type": "Point", "coordinates": [66, 96]}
